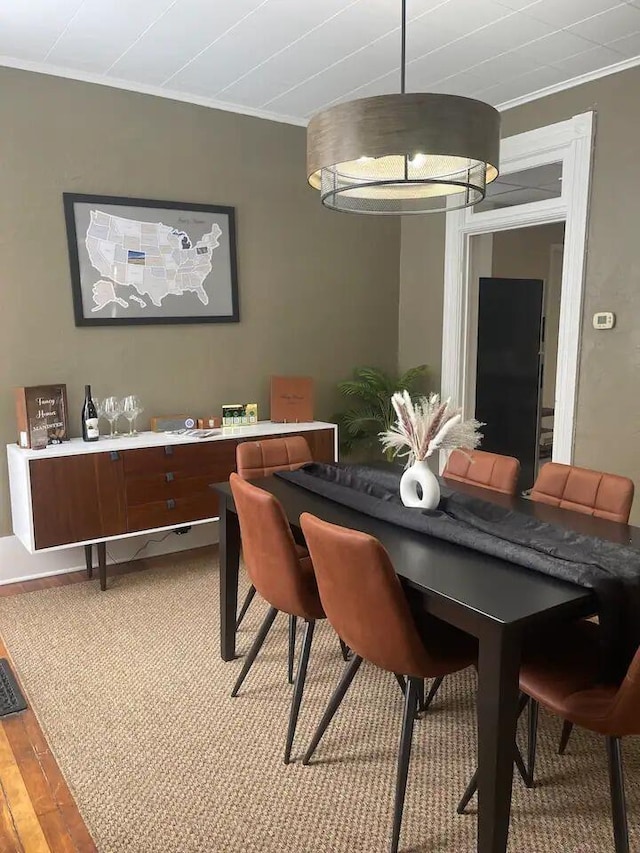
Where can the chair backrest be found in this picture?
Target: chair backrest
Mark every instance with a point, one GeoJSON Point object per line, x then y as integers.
{"type": "Point", "coordinates": [625, 711]}
{"type": "Point", "coordinates": [363, 598]}
{"type": "Point", "coordinates": [584, 490]}
{"type": "Point", "coordinates": [256, 459]}
{"type": "Point", "coordinates": [488, 470]}
{"type": "Point", "coordinates": [270, 555]}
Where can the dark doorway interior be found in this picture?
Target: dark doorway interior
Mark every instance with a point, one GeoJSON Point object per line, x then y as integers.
{"type": "Point", "coordinates": [508, 378]}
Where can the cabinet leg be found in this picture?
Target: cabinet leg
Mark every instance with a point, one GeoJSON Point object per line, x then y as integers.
{"type": "Point", "coordinates": [88, 558]}
{"type": "Point", "coordinates": [102, 564]}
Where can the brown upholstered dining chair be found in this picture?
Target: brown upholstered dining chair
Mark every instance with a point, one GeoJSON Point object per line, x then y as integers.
{"type": "Point", "coordinates": [360, 592]}
{"type": "Point", "coordinates": [283, 577]}
{"type": "Point", "coordinates": [255, 459]}
{"type": "Point", "coordinates": [560, 672]}
{"type": "Point", "coordinates": [584, 490]}
{"type": "Point", "coordinates": [488, 470]}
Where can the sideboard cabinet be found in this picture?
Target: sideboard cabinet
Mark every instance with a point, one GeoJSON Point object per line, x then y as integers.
{"type": "Point", "coordinates": [81, 493]}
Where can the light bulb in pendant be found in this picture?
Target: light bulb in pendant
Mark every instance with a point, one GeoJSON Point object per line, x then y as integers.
{"type": "Point", "coordinates": [418, 160]}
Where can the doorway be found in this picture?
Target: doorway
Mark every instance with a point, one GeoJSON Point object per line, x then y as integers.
{"type": "Point", "coordinates": [514, 295]}
{"type": "Point", "coordinates": [565, 150]}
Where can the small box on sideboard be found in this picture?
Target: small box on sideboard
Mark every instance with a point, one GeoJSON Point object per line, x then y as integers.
{"type": "Point", "coordinates": [210, 422]}
{"type": "Point", "coordinates": [41, 415]}
{"type": "Point", "coordinates": [239, 414]}
{"type": "Point", "coordinates": [291, 399]}
{"type": "Point", "coordinates": [164, 423]}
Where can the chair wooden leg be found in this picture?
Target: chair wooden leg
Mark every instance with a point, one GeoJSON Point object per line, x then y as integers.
{"type": "Point", "coordinates": [299, 688]}
{"type": "Point", "coordinates": [245, 605]}
{"type": "Point", "coordinates": [618, 804]}
{"type": "Point", "coordinates": [470, 790]}
{"type": "Point", "coordinates": [293, 627]}
{"type": "Point", "coordinates": [404, 755]}
{"type": "Point", "coordinates": [567, 728]}
{"type": "Point", "coordinates": [435, 686]}
{"type": "Point", "coordinates": [346, 651]}
{"type": "Point", "coordinates": [334, 703]}
{"type": "Point", "coordinates": [534, 709]}
{"type": "Point", "coordinates": [420, 701]}
{"type": "Point", "coordinates": [255, 648]}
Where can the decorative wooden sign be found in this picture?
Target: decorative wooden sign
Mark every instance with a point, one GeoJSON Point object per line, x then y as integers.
{"type": "Point", "coordinates": [41, 415]}
{"type": "Point", "coordinates": [291, 399]}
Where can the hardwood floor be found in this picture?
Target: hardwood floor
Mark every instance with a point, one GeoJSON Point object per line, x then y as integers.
{"type": "Point", "coordinates": [37, 811]}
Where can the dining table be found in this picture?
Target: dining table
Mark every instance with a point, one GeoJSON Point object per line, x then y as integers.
{"type": "Point", "coordinates": [499, 602]}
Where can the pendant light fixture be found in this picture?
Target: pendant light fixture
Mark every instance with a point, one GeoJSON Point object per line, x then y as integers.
{"type": "Point", "coordinates": [404, 153]}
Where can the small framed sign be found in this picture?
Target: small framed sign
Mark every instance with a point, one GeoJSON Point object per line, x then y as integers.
{"type": "Point", "coordinates": [41, 415]}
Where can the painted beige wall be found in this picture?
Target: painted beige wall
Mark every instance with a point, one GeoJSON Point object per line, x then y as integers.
{"type": "Point", "coordinates": [608, 415]}
{"type": "Point", "coordinates": [526, 253]}
{"type": "Point", "coordinates": [421, 294]}
{"type": "Point", "coordinates": [318, 290]}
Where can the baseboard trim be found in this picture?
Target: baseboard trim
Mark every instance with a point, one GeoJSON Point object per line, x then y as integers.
{"type": "Point", "coordinates": [17, 564]}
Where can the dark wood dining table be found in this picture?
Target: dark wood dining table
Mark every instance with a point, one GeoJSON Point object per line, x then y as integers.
{"type": "Point", "coordinates": [494, 600]}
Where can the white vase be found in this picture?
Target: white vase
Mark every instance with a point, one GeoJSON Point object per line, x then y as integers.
{"type": "Point", "coordinates": [420, 474]}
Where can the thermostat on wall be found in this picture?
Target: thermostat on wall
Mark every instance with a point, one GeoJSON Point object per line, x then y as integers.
{"type": "Point", "coordinates": [604, 320]}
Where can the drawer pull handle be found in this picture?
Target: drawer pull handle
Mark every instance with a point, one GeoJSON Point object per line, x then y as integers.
{"type": "Point", "coordinates": [171, 504]}
{"type": "Point", "coordinates": [114, 455]}
{"type": "Point", "coordinates": [168, 451]}
{"type": "Point", "coordinates": [169, 477]}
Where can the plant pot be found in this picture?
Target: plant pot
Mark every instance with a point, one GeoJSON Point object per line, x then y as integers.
{"type": "Point", "coordinates": [419, 474]}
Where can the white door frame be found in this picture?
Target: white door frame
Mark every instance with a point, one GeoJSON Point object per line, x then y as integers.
{"type": "Point", "coordinates": [568, 142]}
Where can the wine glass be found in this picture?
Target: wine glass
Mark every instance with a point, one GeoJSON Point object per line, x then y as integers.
{"type": "Point", "coordinates": [100, 410]}
{"type": "Point", "coordinates": [131, 408]}
{"type": "Point", "coordinates": [112, 410]}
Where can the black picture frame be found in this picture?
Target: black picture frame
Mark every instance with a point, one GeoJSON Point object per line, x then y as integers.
{"type": "Point", "coordinates": [79, 286]}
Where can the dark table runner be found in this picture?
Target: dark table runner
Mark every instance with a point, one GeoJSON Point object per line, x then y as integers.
{"type": "Point", "coordinates": [612, 571]}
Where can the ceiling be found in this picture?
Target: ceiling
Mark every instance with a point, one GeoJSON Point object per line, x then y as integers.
{"type": "Point", "coordinates": [289, 58]}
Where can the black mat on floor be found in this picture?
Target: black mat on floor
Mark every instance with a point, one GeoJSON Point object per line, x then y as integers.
{"type": "Point", "coordinates": [11, 698]}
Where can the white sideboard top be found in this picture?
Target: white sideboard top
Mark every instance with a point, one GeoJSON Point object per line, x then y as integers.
{"type": "Point", "coordinates": [76, 446]}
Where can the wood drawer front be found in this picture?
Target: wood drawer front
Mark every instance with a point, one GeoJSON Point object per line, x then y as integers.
{"type": "Point", "coordinates": [75, 498]}
{"type": "Point", "coordinates": [145, 461]}
{"type": "Point", "coordinates": [322, 445]}
{"type": "Point", "coordinates": [152, 488]}
{"type": "Point", "coordinates": [172, 511]}
{"type": "Point", "coordinates": [212, 455]}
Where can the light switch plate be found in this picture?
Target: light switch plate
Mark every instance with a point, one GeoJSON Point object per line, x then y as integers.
{"type": "Point", "coordinates": [604, 320]}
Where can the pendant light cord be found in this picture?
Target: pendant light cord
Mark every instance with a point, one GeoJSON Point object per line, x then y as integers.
{"type": "Point", "coordinates": [403, 70]}
{"type": "Point", "coordinates": [403, 53]}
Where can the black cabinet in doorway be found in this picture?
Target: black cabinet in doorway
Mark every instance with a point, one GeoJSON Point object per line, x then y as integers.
{"type": "Point", "coordinates": [508, 377]}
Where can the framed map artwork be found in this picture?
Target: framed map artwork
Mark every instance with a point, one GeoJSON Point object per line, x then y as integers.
{"type": "Point", "coordinates": [140, 261]}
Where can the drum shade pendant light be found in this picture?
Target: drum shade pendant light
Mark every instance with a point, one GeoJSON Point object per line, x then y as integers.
{"type": "Point", "coordinates": [405, 153]}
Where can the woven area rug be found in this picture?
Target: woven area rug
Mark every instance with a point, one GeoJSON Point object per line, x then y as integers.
{"type": "Point", "coordinates": [134, 699]}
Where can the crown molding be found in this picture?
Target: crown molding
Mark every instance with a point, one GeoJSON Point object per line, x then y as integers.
{"type": "Point", "coordinates": [623, 65]}
{"type": "Point", "coordinates": [226, 106]}
{"type": "Point", "coordinates": [143, 89]}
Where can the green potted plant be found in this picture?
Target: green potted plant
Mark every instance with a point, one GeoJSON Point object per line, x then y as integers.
{"type": "Point", "coordinates": [370, 410]}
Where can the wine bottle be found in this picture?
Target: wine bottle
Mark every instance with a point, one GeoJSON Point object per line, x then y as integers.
{"type": "Point", "coordinates": [90, 430]}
